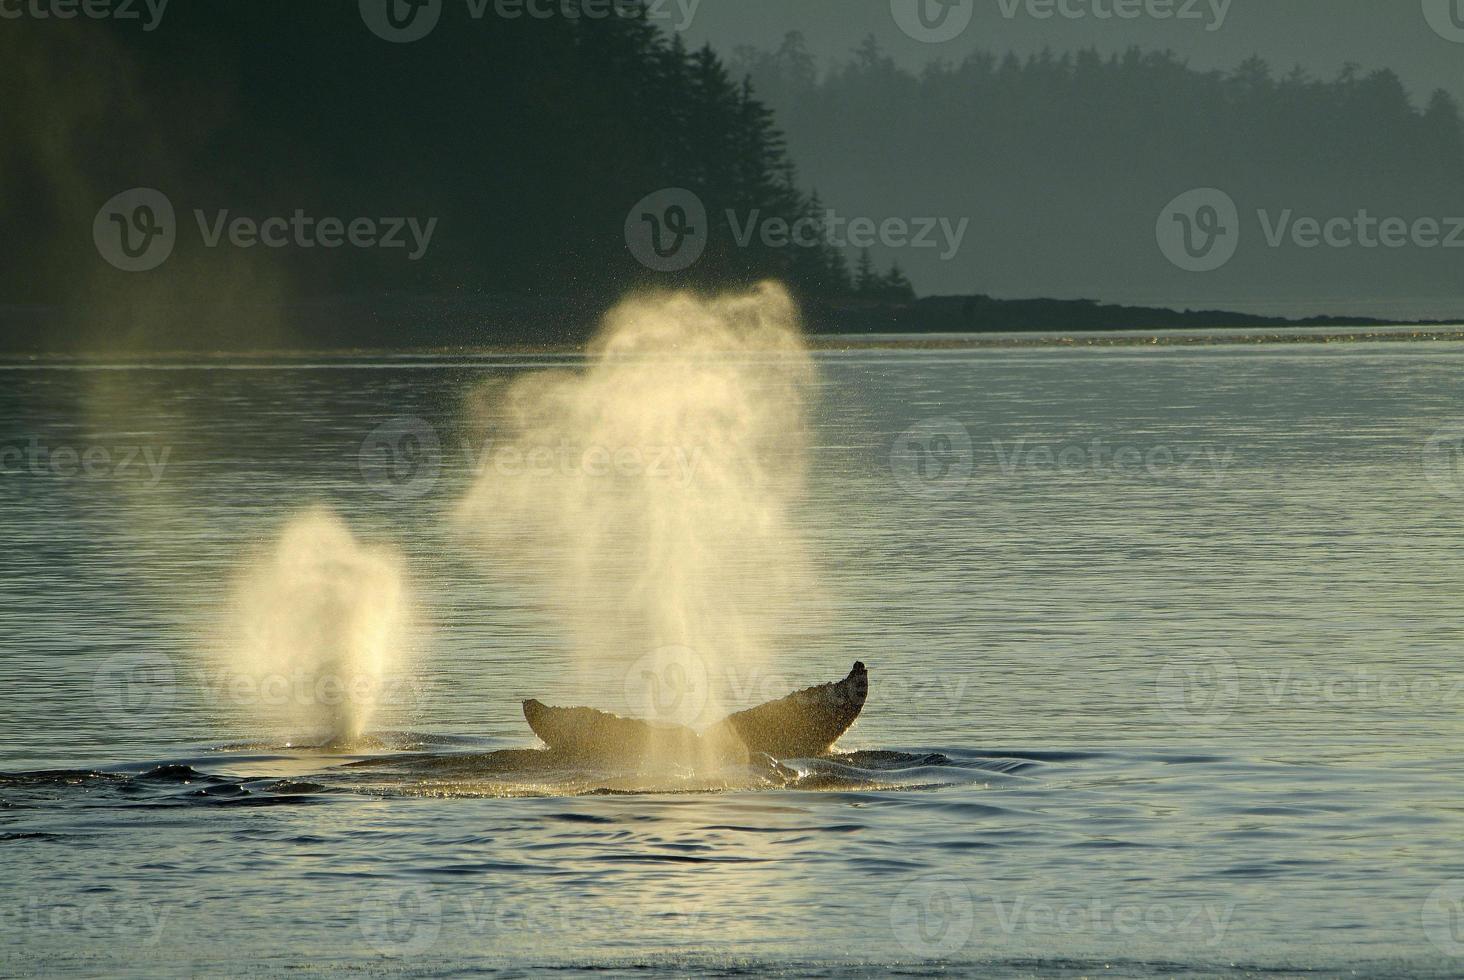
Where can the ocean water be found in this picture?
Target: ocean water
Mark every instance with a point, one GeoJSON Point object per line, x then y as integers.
{"type": "Point", "coordinates": [1164, 647]}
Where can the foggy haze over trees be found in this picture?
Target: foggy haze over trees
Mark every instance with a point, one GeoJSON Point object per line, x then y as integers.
{"type": "Point", "coordinates": [1063, 161]}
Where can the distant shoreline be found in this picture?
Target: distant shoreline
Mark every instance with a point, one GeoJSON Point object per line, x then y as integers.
{"type": "Point", "coordinates": [1385, 333]}
{"type": "Point", "coordinates": [982, 314]}
{"type": "Point", "coordinates": [467, 355]}
{"type": "Point", "coordinates": [459, 326]}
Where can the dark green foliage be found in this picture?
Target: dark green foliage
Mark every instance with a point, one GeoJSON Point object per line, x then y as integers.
{"type": "Point", "coordinates": [528, 139]}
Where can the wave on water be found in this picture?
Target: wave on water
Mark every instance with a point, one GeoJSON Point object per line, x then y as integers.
{"type": "Point", "coordinates": [162, 785]}
{"type": "Point", "coordinates": [540, 772]}
{"type": "Point", "coordinates": [455, 773]}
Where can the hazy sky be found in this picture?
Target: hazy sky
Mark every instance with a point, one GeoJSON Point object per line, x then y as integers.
{"type": "Point", "coordinates": [1321, 35]}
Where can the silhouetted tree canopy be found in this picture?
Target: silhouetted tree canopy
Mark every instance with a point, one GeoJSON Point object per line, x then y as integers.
{"type": "Point", "coordinates": [528, 139]}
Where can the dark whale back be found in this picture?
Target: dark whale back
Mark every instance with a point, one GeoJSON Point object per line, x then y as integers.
{"type": "Point", "coordinates": [590, 734]}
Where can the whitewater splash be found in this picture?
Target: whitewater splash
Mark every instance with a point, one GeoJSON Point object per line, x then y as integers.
{"type": "Point", "coordinates": [655, 491]}
{"type": "Point", "coordinates": [321, 631]}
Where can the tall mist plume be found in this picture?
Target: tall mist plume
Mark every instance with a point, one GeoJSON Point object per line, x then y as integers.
{"type": "Point", "coordinates": [652, 491]}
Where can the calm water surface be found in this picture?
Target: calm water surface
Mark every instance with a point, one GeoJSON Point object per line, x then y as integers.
{"type": "Point", "coordinates": [1164, 649]}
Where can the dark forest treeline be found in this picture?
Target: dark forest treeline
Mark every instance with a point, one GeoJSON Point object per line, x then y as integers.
{"type": "Point", "coordinates": [1063, 160]}
{"type": "Point", "coordinates": [529, 140]}
{"type": "Point", "coordinates": [1061, 101]}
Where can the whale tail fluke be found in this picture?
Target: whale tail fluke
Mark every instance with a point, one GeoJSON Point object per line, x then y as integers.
{"type": "Point", "coordinates": [804, 724]}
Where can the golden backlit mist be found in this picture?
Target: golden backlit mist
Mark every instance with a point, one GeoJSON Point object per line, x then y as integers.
{"type": "Point", "coordinates": [321, 627]}
{"type": "Point", "coordinates": [650, 492]}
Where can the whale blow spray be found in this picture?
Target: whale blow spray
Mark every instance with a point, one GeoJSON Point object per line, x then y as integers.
{"type": "Point", "coordinates": [651, 490]}
{"type": "Point", "coordinates": [320, 628]}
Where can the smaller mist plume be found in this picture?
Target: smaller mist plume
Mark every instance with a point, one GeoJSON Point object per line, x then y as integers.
{"type": "Point", "coordinates": [321, 627]}
{"type": "Point", "coordinates": [652, 492]}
